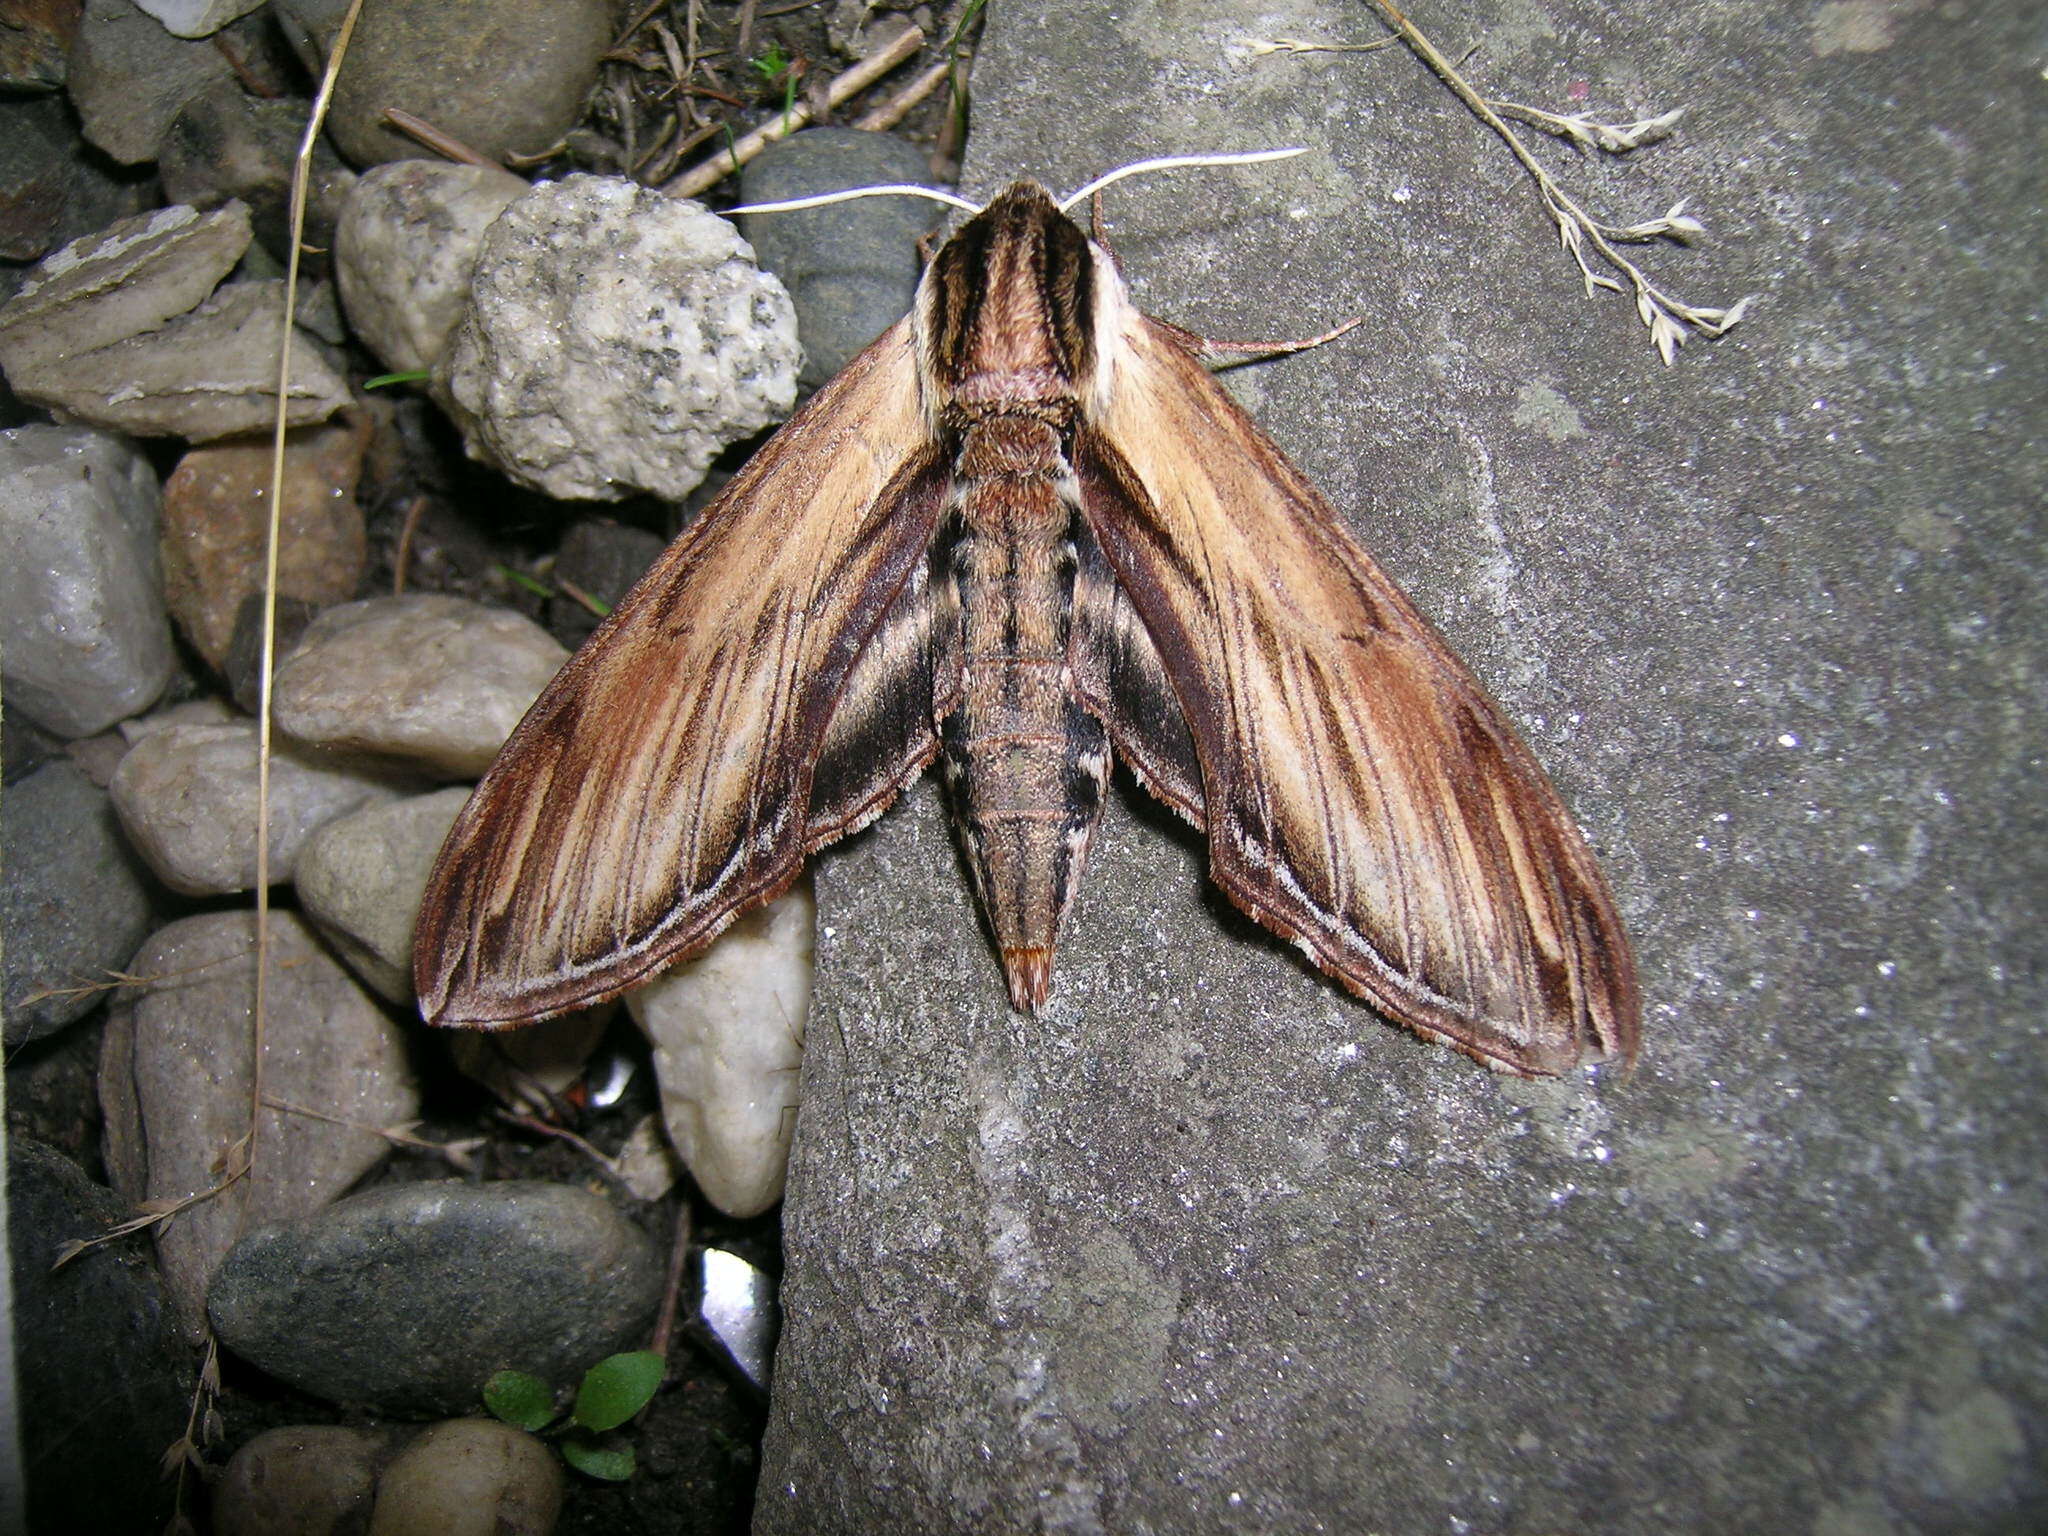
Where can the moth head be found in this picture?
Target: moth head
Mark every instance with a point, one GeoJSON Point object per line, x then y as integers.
{"type": "Point", "coordinates": [1006, 311]}
{"type": "Point", "coordinates": [1020, 309]}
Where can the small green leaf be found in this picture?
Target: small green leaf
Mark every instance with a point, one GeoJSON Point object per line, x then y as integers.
{"type": "Point", "coordinates": [519, 1399]}
{"type": "Point", "coordinates": [612, 1465]}
{"type": "Point", "coordinates": [386, 380]}
{"type": "Point", "coordinates": [521, 579]}
{"type": "Point", "coordinates": [616, 1388]}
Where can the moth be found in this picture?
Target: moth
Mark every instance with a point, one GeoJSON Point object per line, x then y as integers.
{"type": "Point", "coordinates": [1026, 533]}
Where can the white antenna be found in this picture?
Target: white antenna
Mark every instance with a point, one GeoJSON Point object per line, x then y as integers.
{"type": "Point", "coordinates": [1172, 162]}
{"type": "Point", "coordinates": [822, 199]}
{"type": "Point", "coordinates": [1166, 163]}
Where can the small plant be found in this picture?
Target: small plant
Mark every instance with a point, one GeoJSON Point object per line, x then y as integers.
{"type": "Point", "coordinates": [779, 71]}
{"type": "Point", "coordinates": [613, 1390]}
{"type": "Point", "coordinates": [956, 80]}
{"type": "Point", "coordinates": [562, 588]}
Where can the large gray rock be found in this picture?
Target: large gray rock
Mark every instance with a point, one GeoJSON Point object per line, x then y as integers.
{"type": "Point", "coordinates": [1207, 1247]}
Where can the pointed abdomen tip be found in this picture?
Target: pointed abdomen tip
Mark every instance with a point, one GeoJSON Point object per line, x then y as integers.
{"type": "Point", "coordinates": [1030, 973]}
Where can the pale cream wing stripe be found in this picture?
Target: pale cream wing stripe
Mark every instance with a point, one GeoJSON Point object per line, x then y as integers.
{"type": "Point", "coordinates": [1362, 793]}
{"type": "Point", "coordinates": [662, 781]}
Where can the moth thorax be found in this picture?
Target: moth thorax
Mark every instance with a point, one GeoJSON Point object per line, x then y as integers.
{"type": "Point", "coordinates": [1039, 393]}
{"type": "Point", "coordinates": [1009, 305]}
{"type": "Point", "coordinates": [1011, 447]}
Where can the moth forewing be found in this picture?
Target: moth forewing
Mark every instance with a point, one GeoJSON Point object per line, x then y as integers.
{"type": "Point", "coordinates": [1363, 795]}
{"type": "Point", "coordinates": [662, 782]}
{"type": "Point", "coordinates": [1025, 518]}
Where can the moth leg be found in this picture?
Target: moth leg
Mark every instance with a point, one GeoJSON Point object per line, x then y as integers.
{"type": "Point", "coordinates": [1228, 354]}
{"type": "Point", "coordinates": [1097, 228]}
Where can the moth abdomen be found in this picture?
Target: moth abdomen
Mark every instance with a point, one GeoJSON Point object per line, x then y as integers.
{"type": "Point", "coordinates": [1025, 763]}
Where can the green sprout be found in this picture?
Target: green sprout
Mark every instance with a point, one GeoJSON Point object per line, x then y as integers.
{"type": "Point", "coordinates": [955, 82]}
{"type": "Point", "coordinates": [613, 1390]}
{"type": "Point", "coordinates": [777, 68]}
{"type": "Point", "coordinates": [563, 588]}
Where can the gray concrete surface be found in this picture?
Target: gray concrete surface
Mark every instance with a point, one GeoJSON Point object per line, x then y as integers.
{"type": "Point", "coordinates": [1208, 1247]}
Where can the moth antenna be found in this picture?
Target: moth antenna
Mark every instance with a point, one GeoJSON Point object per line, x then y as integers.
{"type": "Point", "coordinates": [823, 199]}
{"type": "Point", "coordinates": [1175, 162]}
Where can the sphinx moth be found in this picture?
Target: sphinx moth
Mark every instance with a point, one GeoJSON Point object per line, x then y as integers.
{"type": "Point", "coordinates": [1024, 533]}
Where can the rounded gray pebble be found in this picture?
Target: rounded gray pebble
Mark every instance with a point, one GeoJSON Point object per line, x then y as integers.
{"type": "Point", "coordinates": [850, 268]}
{"type": "Point", "coordinates": [360, 879]}
{"type": "Point", "coordinates": [82, 624]}
{"type": "Point", "coordinates": [105, 1378]}
{"type": "Point", "coordinates": [300, 1480]}
{"type": "Point", "coordinates": [408, 1298]}
{"type": "Point", "coordinates": [75, 903]}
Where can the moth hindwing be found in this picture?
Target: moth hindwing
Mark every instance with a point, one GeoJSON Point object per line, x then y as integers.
{"type": "Point", "coordinates": [1023, 532]}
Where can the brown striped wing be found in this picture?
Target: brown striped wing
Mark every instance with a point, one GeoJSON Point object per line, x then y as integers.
{"type": "Point", "coordinates": [1361, 793]}
{"type": "Point", "coordinates": [663, 781]}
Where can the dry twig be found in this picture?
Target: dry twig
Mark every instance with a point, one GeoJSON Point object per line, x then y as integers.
{"type": "Point", "coordinates": [891, 112]}
{"type": "Point", "coordinates": [446, 145]}
{"type": "Point", "coordinates": [1670, 319]}
{"type": "Point", "coordinates": [710, 173]}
